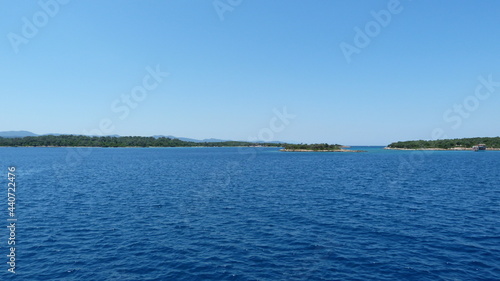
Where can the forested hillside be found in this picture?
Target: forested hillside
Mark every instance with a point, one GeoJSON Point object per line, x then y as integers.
{"type": "Point", "coordinates": [72, 140]}
{"type": "Point", "coordinates": [447, 143]}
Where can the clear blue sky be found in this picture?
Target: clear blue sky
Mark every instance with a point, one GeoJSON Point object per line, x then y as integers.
{"type": "Point", "coordinates": [227, 74]}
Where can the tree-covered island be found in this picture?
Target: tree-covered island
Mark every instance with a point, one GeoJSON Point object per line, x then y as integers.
{"type": "Point", "coordinates": [447, 144]}
{"type": "Point", "coordinates": [109, 141]}
{"type": "Point", "coordinates": [115, 141]}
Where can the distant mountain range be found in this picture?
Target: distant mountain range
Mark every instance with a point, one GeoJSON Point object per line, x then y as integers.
{"type": "Point", "coordinates": [17, 134]}
{"type": "Point", "coordinates": [22, 134]}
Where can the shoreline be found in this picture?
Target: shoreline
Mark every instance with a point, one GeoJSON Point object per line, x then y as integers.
{"type": "Point", "coordinates": [52, 146]}
{"type": "Point", "coordinates": [441, 149]}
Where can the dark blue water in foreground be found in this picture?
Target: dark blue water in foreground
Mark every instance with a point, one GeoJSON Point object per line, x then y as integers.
{"type": "Point", "coordinates": [252, 214]}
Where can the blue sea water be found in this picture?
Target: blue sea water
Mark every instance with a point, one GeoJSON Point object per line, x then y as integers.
{"type": "Point", "coordinates": [252, 214]}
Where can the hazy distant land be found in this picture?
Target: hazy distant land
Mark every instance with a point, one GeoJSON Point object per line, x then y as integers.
{"type": "Point", "coordinates": [117, 141]}
{"type": "Point", "coordinates": [446, 144]}
{"type": "Point", "coordinates": [28, 139]}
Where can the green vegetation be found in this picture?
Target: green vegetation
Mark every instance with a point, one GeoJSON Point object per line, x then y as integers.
{"type": "Point", "coordinates": [72, 140]}
{"type": "Point", "coordinates": [313, 147]}
{"type": "Point", "coordinates": [447, 144]}
{"type": "Point", "coordinates": [88, 141]}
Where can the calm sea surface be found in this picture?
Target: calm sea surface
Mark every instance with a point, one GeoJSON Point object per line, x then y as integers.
{"type": "Point", "coordinates": [252, 214]}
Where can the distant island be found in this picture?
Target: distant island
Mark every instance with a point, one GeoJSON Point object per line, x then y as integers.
{"type": "Point", "coordinates": [119, 141]}
{"type": "Point", "coordinates": [317, 147]}
{"type": "Point", "coordinates": [446, 144]}
{"type": "Point", "coordinates": [22, 134]}
{"type": "Point", "coordinates": [114, 141]}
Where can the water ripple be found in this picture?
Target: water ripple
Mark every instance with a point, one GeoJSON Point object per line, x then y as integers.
{"type": "Point", "coordinates": [215, 214]}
